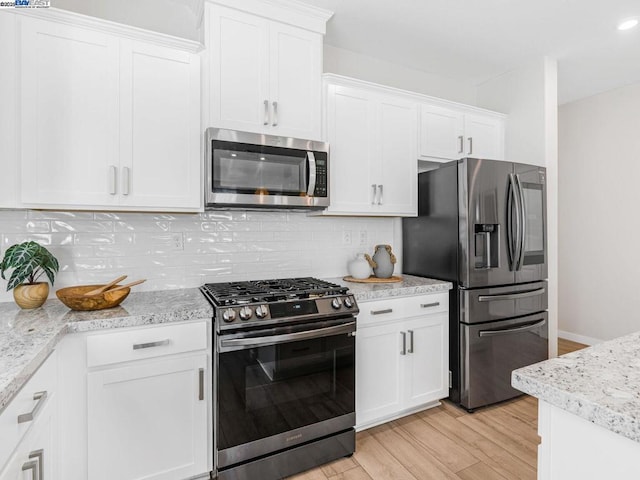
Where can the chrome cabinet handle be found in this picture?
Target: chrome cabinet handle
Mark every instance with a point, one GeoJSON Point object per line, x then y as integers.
{"type": "Point", "coordinates": [429, 305]}
{"type": "Point", "coordinates": [33, 466]}
{"type": "Point", "coordinates": [126, 180]}
{"type": "Point", "coordinates": [113, 179]}
{"type": "Point", "coordinates": [275, 114]}
{"type": "Point", "coordinates": [311, 158]}
{"type": "Point", "coordinates": [511, 296]}
{"type": "Point", "coordinates": [39, 455]}
{"type": "Point", "coordinates": [159, 343]}
{"type": "Point", "coordinates": [380, 195]}
{"type": "Point", "coordinates": [410, 350]}
{"type": "Point", "coordinates": [266, 112]}
{"type": "Point", "coordinates": [470, 145]}
{"type": "Point", "coordinates": [507, 331]}
{"type": "Point", "coordinates": [375, 193]}
{"type": "Point", "coordinates": [461, 140]}
{"type": "Point", "coordinates": [404, 343]}
{"type": "Point", "coordinates": [380, 312]}
{"type": "Point", "coordinates": [40, 398]}
{"type": "Point", "coordinates": [201, 384]}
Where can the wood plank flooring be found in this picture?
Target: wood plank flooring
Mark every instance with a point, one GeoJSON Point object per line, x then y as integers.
{"type": "Point", "coordinates": [447, 443]}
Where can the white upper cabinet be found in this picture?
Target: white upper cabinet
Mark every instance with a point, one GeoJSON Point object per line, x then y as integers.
{"type": "Point", "coordinates": [449, 133]}
{"type": "Point", "coordinates": [372, 135]}
{"type": "Point", "coordinates": [9, 180]}
{"type": "Point", "coordinates": [107, 121]}
{"type": "Point", "coordinates": [265, 75]}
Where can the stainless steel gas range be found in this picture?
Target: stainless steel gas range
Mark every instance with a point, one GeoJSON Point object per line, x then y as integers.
{"type": "Point", "coordinates": [283, 376]}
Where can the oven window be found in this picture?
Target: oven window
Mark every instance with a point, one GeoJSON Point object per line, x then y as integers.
{"type": "Point", "coordinates": [268, 390]}
{"type": "Point", "coordinates": [253, 169]}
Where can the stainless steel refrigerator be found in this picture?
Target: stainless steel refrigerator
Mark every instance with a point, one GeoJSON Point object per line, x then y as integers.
{"type": "Point", "coordinates": [481, 224]}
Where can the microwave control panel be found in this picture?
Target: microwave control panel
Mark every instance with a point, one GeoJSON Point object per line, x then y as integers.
{"type": "Point", "coordinates": [321, 179]}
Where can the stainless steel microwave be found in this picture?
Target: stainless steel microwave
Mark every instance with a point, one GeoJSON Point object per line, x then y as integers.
{"type": "Point", "coordinates": [252, 170]}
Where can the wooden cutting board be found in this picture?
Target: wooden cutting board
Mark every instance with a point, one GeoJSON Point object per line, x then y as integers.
{"type": "Point", "coordinates": [372, 279]}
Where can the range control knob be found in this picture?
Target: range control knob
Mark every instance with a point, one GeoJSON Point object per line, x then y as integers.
{"type": "Point", "coordinates": [348, 303]}
{"type": "Point", "coordinates": [336, 303]}
{"type": "Point", "coordinates": [246, 313]}
{"type": "Point", "coordinates": [229, 315]}
{"type": "Point", "coordinates": [261, 311]}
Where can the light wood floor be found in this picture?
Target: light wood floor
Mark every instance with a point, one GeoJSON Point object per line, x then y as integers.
{"type": "Point", "coordinates": [447, 443]}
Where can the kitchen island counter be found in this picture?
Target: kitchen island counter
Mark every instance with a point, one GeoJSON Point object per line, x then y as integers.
{"type": "Point", "coordinates": [588, 411]}
{"type": "Point", "coordinates": [27, 337]}
{"type": "Point", "coordinates": [409, 286]}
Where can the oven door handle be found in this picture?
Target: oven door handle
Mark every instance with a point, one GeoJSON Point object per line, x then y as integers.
{"type": "Point", "coordinates": [287, 337]}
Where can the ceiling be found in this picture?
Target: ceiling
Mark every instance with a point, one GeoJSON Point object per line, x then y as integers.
{"type": "Point", "coordinates": [479, 39]}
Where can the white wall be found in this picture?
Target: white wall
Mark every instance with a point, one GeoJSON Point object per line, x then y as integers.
{"type": "Point", "coordinates": [217, 246]}
{"type": "Point", "coordinates": [352, 64]}
{"type": "Point", "coordinates": [599, 215]}
{"type": "Point", "coordinates": [177, 18]}
{"type": "Point", "coordinates": [529, 95]}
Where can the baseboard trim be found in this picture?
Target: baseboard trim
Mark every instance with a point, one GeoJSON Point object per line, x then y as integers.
{"type": "Point", "coordinates": [574, 337]}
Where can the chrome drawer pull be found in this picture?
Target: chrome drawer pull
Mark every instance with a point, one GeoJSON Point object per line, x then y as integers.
{"type": "Point", "coordinates": [507, 331]}
{"type": "Point", "coordinates": [410, 341]}
{"type": "Point", "coordinates": [380, 312]}
{"type": "Point", "coordinates": [404, 343]}
{"type": "Point", "coordinates": [33, 466]}
{"type": "Point", "coordinates": [159, 343]}
{"type": "Point", "coordinates": [201, 384]}
{"type": "Point", "coordinates": [39, 454]}
{"type": "Point", "coordinates": [429, 305]}
{"type": "Point", "coordinates": [41, 397]}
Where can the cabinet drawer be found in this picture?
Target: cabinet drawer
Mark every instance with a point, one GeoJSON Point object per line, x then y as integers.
{"type": "Point", "coordinates": [27, 406]}
{"type": "Point", "coordinates": [147, 342]}
{"type": "Point", "coordinates": [404, 307]}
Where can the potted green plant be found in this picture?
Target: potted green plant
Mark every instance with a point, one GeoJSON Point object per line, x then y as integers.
{"type": "Point", "coordinates": [29, 261]}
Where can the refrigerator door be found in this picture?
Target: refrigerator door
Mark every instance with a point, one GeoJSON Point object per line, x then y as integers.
{"type": "Point", "coordinates": [486, 187]}
{"type": "Point", "coordinates": [491, 351]}
{"type": "Point", "coordinates": [531, 185]}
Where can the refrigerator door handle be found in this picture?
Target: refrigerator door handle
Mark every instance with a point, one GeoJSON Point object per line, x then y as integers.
{"type": "Point", "coordinates": [507, 331]}
{"type": "Point", "coordinates": [512, 243]}
{"type": "Point", "coordinates": [523, 226]}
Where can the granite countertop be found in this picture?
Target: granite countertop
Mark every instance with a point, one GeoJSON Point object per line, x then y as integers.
{"type": "Point", "coordinates": [27, 337]}
{"type": "Point", "coordinates": [410, 285]}
{"type": "Point", "coordinates": [600, 384]}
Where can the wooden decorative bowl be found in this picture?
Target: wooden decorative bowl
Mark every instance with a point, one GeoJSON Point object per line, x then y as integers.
{"type": "Point", "coordinates": [74, 298]}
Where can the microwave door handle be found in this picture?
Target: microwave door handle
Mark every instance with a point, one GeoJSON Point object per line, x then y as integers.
{"type": "Point", "coordinates": [311, 158]}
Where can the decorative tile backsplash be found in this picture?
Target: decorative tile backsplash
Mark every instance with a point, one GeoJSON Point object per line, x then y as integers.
{"type": "Point", "coordinates": [187, 250]}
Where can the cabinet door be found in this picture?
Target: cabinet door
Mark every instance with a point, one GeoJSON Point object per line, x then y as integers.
{"type": "Point", "coordinates": [36, 457]}
{"type": "Point", "coordinates": [398, 176]}
{"type": "Point", "coordinates": [350, 128]}
{"type": "Point", "coordinates": [159, 127]}
{"type": "Point", "coordinates": [295, 81]}
{"type": "Point", "coordinates": [428, 367]}
{"type": "Point", "coordinates": [484, 137]}
{"type": "Point", "coordinates": [9, 180]}
{"type": "Point", "coordinates": [147, 420]}
{"type": "Point", "coordinates": [238, 46]}
{"type": "Point", "coordinates": [379, 372]}
{"type": "Point", "coordinates": [69, 135]}
{"type": "Point", "coordinates": [441, 133]}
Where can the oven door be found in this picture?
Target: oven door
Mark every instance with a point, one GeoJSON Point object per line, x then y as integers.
{"type": "Point", "coordinates": [282, 387]}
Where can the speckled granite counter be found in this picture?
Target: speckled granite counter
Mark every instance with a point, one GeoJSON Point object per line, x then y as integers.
{"type": "Point", "coordinates": [410, 285]}
{"type": "Point", "coordinates": [600, 384]}
{"type": "Point", "coordinates": [27, 337]}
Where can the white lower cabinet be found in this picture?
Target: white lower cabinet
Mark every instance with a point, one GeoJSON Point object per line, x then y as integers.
{"type": "Point", "coordinates": [147, 418]}
{"type": "Point", "coordinates": [401, 357]}
{"type": "Point", "coordinates": [29, 426]}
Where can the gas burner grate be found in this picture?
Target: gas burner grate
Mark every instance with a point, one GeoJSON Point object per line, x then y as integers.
{"type": "Point", "coordinates": [239, 293]}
